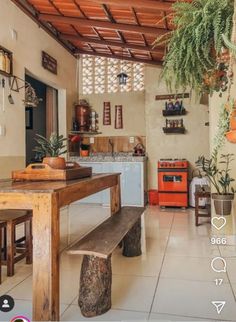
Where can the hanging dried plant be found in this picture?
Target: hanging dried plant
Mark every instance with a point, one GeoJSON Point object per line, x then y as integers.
{"type": "Point", "coordinates": [195, 44]}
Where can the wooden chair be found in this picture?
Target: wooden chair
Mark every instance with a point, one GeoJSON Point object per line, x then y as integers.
{"type": "Point", "coordinates": [16, 250]}
{"type": "Point", "coordinates": [97, 248]}
{"type": "Point", "coordinates": [2, 226]}
{"type": "Point", "coordinates": [202, 192]}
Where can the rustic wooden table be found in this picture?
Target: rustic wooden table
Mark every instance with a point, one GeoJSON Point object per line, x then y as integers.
{"type": "Point", "coordinates": [46, 199]}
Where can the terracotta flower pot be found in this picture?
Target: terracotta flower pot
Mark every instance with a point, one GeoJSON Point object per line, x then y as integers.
{"type": "Point", "coordinates": [84, 153]}
{"type": "Point", "coordinates": [223, 204]}
{"type": "Point", "coordinates": [233, 120]}
{"type": "Point", "coordinates": [231, 136]}
{"type": "Point", "coordinates": [55, 162]}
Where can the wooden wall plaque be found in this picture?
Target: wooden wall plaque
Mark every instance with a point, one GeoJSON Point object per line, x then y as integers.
{"type": "Point", "coordinates": [106, 113]}
{"type": "Point", "coordinates": [172, 96]}
{"type": "Point", "coordinates": [118, 117]}
{"type": "Point", "coordinates": [49, 63]}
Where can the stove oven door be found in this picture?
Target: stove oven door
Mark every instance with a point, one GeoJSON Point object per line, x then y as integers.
{"type": "Point", "coordinates": [172, 180]}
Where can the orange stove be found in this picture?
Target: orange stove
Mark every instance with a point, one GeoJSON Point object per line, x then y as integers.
{"type": "Point", "coordinates": [173, 182]}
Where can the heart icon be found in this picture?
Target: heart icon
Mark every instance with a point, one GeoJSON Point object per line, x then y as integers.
{"type": "Point", "coordinates": [218, 222]}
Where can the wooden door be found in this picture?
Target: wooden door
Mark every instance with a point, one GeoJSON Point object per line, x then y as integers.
{"type": "Point", "coordinates": [51, 111]}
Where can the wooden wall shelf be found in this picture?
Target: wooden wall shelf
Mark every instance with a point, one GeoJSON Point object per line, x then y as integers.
{"type": "Point", "coordinates": [10, 54]}
{"type": "Point", "coordinates": [174, 130]}
{"type": "Point", "coordinates": [173, 113]}
{"type": "Point", "coordinates": [84, 133]}
{"type": "Point", "coordinates": [172, 96]}
{"type": "Point", "coordinates": [5, 74]}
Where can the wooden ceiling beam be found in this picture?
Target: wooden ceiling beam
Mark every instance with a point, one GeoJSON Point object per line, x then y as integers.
{"type": "Point", "coordinates": [119, 33]}
{"type": "Point", "coordinates": [143, 4]}
{"type": "Point", "coordinates": [132, 59]}
{"type": "Point", "coordinates": [111, 43]}
{"type": "Point", "coordinates": [101, 24]}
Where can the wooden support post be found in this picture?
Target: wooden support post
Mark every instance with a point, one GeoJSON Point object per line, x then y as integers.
{"type": "Point", "coordinates": [132, 241]}
{"type": "Point", "coordinates": [115, 197]}
{"type": "Point", "coordinates": [95, 286]}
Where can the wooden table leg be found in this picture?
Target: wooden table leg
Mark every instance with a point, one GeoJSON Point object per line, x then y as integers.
{"type": "Point", "coordinates": [115, 198]}
{"type": "Point", "coordinates": [10, 248]}
{"type": "Point", "coordinates": [46, 289]}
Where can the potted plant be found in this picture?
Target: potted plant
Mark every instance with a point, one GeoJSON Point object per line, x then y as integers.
{"type": "Point", "coordinates": [195, 45]}
{"type": "Point", "coordinates": [51, 149]}
{"type": "Point", "coordinates": [220, 178]}
{"type": "Point", "coordinates": [84, 150]}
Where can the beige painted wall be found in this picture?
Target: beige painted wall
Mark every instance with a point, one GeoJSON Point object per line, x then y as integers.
{"type": "Point", "coordinates": [31, 40]}
{"type": "Point", "coordinates": [215, 103]}
{"type": "Point", "coordinates": [143, 116]}
{"type": "Point", "coordinates": [159, 145]}
{"type": "Point", "coordinates": [133, 112]}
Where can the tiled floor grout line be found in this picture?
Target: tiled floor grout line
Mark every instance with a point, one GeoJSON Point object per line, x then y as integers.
{"type": "Point", "coordinates": [18, 283]}
{"type": "Point", "coordinates": [162, 262]}
{"type": "Point", "coordinates": [191, 317]}
{"type": "Point", "coordinates": [68, 306]}
{"type": "Point", "coordinates": [231, 287]}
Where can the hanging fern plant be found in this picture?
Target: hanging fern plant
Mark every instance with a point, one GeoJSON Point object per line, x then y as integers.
{"type": "Point", "coordinates": [194, 46]}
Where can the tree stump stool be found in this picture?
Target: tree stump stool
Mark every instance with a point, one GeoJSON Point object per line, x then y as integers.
{"type": "Point", "coordinates": [132, 241]}
{"type": "Point", "coordinates": [95, 286]}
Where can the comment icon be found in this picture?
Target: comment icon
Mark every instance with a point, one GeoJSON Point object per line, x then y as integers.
{"type": "Point", "coordinates": [218, 264]}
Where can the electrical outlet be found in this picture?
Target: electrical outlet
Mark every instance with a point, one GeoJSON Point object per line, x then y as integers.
{"type": "Point", "coordinates": [14, 34]}
{"type": "Point", "coordinates": [91, 140]}
{"type": "Point", "coordinates": [131, 139]}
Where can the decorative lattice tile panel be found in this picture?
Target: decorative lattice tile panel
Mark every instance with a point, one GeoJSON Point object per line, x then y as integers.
{"type": "Point", "coordinates": [99, 75]}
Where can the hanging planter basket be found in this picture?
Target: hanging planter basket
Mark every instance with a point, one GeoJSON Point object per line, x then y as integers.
{"type": "Point", "coordinates": [233, 120]}
{"type": "Point", "coordinates": [223, 204]}
{"type": "Point", "coordinates": [231, 136]}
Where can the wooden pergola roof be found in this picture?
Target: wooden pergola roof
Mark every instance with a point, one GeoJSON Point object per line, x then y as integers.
{"type": "Point", "coordinates": [110, 28]}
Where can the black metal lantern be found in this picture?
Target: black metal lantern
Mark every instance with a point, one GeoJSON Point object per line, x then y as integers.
{"type": "Point", "coordinates": [122, 77]}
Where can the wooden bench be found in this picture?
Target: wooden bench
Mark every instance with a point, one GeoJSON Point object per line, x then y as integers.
{"type": "Point", "coordinates": [97, 248]}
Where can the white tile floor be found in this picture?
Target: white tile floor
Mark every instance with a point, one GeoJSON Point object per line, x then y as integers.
{"type": "Point", "coordinates": [171, 281]}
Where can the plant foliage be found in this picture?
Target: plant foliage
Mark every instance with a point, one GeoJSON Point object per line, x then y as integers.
{"type": "Point", "coordinates": [52, 147]}
{"type": "Point", "coordinates": [218, 176]}
{"type": "Point", "coordinates": [196, 42]}
{"type": "Point", "coordinates": [229, 45]}
{"type": "Point", "coordinates": [223, 126]}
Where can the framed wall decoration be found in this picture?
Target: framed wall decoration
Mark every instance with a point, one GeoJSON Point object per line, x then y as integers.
{"type": "Point", "coordinates": [49, 63]}
{"type": "Point", "coordinates": [106, 113]}
{"type": "Point", "coordinates": [118, 117]}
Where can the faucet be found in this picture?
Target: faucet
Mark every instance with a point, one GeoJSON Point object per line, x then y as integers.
{"type": "Point", "coordinates": [111, 143]}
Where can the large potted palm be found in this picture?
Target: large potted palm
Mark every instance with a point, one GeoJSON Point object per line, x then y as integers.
{"type": "Point", "coordinates": [219, 175]}
{"type": "Point", "coordinates": [51, 150]}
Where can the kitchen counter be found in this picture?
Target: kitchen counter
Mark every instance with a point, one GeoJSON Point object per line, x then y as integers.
{"type": "Point", "coordinates": [133, 176]}
{"type": "Point", "coordinates": [103, 157]}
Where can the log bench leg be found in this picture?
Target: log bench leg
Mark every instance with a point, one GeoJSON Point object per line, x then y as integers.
{"type": "Point", "coordinates": [95, 286]}
{"type": "Point", "coordinates": [132, 241]}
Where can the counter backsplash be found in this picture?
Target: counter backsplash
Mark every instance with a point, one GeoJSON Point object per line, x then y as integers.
{"type": "Point", "coordinates": [108, 144]}
{"type": "Point", "coordinates": [108, 157]}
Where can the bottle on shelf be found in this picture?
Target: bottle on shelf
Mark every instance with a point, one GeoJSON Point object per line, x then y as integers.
{"type": "Point", "coordinates": [75, 125]}
{"type": "Point", "coordinates": [7, 63]}
{"type": "Point", "coordinates": [2, 61]}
